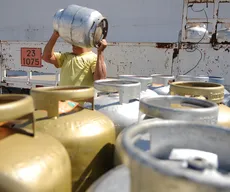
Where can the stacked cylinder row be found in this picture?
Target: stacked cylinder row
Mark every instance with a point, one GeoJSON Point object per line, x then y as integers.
{"type": "Point", "coordinates": [131, 133]}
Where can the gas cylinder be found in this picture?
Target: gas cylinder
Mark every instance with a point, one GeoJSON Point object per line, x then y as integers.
{"type": "Point", "coordinates": [212, 79]}
{"type": "Point", "coordinates": [146, 81]}
{"type": "Point", "coordinates": [80, 26]}
{"type": "Point", "coordinates": [30, 160]}
{"type": "Point", "coordinates": [87, 135]}
{"type": "Point", "coordinates": [171, 108]}
{"type": "Point", "coordinates": [220, 80]}
{"type": "Point", "coordinates": [211, 91]}
{"type": "Point", "coordinates": [160, 83]}
{"type": "Point", "coordinates": [195, 31]}
{"type": "Point", "coordinates": [119, 101]}
{"type": "Point", "coordinates": [186, 155]}
{"type": "Point", "coordinates": [199, 78]}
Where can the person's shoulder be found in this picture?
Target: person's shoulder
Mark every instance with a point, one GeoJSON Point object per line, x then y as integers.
{"type": "Point", "coordinates": [68, 55]}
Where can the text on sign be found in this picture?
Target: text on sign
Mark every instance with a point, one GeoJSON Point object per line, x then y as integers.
{"type": "Point", "coordinates": [31, 57]}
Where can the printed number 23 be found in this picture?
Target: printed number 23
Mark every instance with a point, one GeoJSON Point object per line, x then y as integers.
{"type": "Point", "coordinates": [30, 53]}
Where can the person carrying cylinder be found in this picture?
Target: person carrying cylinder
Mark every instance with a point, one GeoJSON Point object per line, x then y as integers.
{"type": "Point", "coordinates": [79, 68]}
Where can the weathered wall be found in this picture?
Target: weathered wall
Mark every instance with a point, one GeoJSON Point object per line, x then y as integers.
{"type": "Point", "coordinates": [140, 59]}
{"type": "Point", "coordinates": [130, 20]}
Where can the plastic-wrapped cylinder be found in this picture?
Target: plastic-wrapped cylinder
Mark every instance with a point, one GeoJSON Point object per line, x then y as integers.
{"type": "Point", "coordinates": [80, 26]}
{"type": "Point", "coordinates": [170, 108]}
{"type": "Point", "coordinates": [227, 98]}
{"type": "Point", "coordinates": [119, 100]}
{"type": "Point", "coordinates": [188, 156]}
{"type": "Point", "coordinates": [160, 83]}
{"type": "Point", "coordinates": [30, 161]}
{"type": "Point", "coordinates": [87, 135]}
{"type": "Point", "coordinates": [215, 79]}
{"type": "Point", "coordinates": [223, 35]}
{"type": "Point", "coordinates": [211, 91]}
{"type": "Point", "coordinates": [146, 82]}
{"type": "Point", "coordinates": [195, 31]}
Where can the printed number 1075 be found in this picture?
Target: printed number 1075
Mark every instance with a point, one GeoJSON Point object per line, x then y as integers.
{"type": "Point", "coordinates": [31, 61]}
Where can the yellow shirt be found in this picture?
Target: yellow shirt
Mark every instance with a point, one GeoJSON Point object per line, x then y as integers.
{"type": "Point", "coordinates": [76, 70]}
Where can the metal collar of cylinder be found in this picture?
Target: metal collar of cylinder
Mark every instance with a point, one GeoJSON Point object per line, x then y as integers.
{"type": "Point", "coordinates": [211, 91]}
{"type": "Point", "coordinates": [177, 134]}
{"type": "Point", "coordinates": [192, 78]}
{"type": "Point", "coordinates": [162, 79]}
{"type": "Point", "coordinates": [16, 106]}
{"type": "Point", "coordinates": [145, 81]}
{"type": "Point", "coordinates": [127, 89]}
{"type": "Point", "coordinates": [163, 107]}
{"type": "Point", "coordinates": [101, 31]}
{"type": "Point", "coordinates": [47, 98]}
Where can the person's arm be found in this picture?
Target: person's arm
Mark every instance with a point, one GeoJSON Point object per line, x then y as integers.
{"type": "Point", "coordinates": [48, 53]}
{"type": "Point", "coordinates": [100, 69]}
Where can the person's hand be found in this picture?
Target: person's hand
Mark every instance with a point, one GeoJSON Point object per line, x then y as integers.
{"type": "Point", "coordinates": [102, 45]}
{"type": "Point", "coordinates": [56, 34]}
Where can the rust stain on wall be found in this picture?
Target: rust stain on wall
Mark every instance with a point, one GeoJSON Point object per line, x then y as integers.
{"type": "Point", "coordinates": [164, 45]}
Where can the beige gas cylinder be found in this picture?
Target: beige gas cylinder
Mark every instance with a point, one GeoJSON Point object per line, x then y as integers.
{"type": "Point", "coordinates": [88, 135]}
{"type": "Point", "coordinates": [29, 161]}
{"type": "Point", "coordinates": [205, 90]}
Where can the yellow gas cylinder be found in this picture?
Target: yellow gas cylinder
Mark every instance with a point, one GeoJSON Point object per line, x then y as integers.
{"type": "Point", "coordinates": [29, 161]}
{"type": "Point", "coordinates": [211, 91]}
{"type": "Point", "coordinates": [88, 135]}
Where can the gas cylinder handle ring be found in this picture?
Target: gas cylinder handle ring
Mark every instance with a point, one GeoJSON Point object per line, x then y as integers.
{"type": "Point", "coordinates": [127, 89]}
{"type": "Point", "coordinates": [47, 98]}
{"type": "Point", "coordinates": [162, 80]}
{"type": "Point", "coordinates": [212, 91]}
{"type": "Point", "coordinates": [160, 146]}
{"type": "Point", "coordinates": [200, 78]}
{"type": "Point", "coordinates": [145, 81]}
{"type": "Point", "coordinates": [171, 107]}
{"type": "Point", "coordinates": [17, 106]}
{"type": "Point", "coordinates": [105, 26]}
{"type": "Point", "coordinates": [113, 85]}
